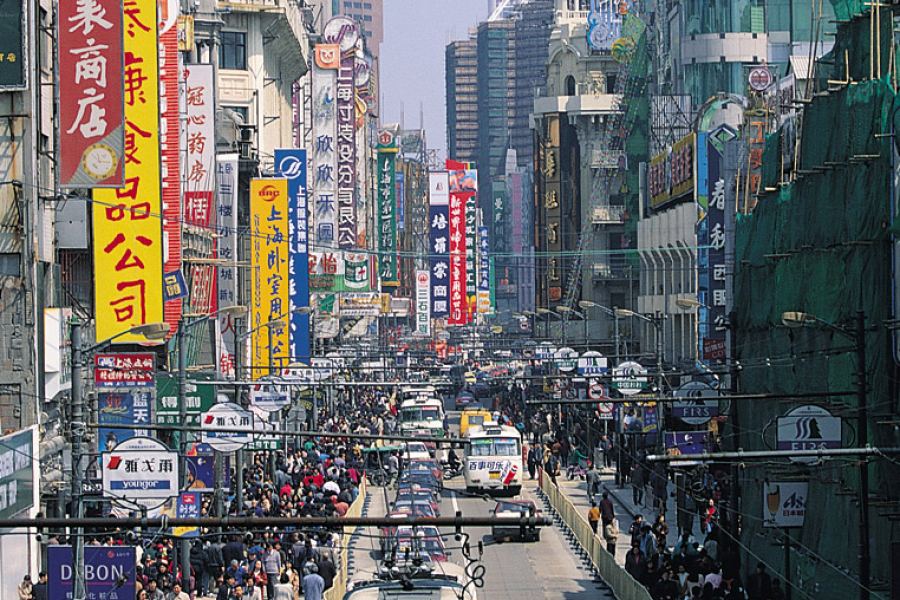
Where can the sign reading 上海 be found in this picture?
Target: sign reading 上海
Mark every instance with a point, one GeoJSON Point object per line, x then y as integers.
{"type": "Point", "coordinates": [784, 503]}
{"type": "Point", "coordinates": [226, 253]}
{"type": "Point", "coordinates": [671, 174]}
{"type": "Point", "coordinates": [108, 572]}
{"type": "Point", "coordinates": [808, 427]}
{"type": "Point", "coordinates": [629, 378]}
{"type": "Point", "coordinates": [228, 416]}
{"type": "Point", "coordinates": [269, 260]}
{"type": "Point", "coordinates": [691, 406]}
{"type": "Point", "coordinates": [92, 116]}
{"type": "Point", "coordinates": [345, 145]}
{"type": "Point", "coordinates": [128, 244]}
{"type": "Point", "coordinates": [124, 370]}
{"type": "Point", "coordinates": [121, 407]}
{"type": "Point", "coordinates": [387, 209]}
{"type": "Point", "coordinates": [199, 398]}
{"type": "Point", "coordinates": [291, 164]}
{"type": "Point", "coordinates": [140, 468]}
{"type": "Point", "coordinates": [17, 458]}
{"type": "Point", "coordinates": [423, 303]}
{"type": "Point", "coordinates": [439, 224]}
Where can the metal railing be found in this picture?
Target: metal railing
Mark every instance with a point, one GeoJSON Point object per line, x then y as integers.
{"type": "Point", "coordinates": [339, 588]}
{"type": "Point", "coordinates": [624, 586]}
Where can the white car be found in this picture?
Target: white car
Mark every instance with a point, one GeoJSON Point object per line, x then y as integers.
{"type": "Point", "coordinates": [415, 451]}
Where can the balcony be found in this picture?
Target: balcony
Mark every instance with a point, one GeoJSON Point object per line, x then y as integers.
{"type": "Point", "coordinates": [608, 215]}
{"type": "Point", "coordinates": [589, 104]}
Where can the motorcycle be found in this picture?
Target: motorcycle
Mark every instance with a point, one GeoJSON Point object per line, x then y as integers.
{"type": "Point", "coordinates": [450, 471]}
{"type": "Point", "coordinates": [578, 469]}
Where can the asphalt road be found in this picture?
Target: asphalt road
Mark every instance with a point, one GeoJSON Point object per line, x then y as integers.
{"type": "Point", "coordinates": [544, 570]}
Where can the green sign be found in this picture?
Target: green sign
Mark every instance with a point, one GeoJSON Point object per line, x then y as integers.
{"type": "Point", "coordinates": [387, 218]}
{"type": "Point", "coordinates": [12, 48]}
{"type": "Point", "coordinates": [16, 473]}
{"type": "Point", "coordinates": [200, 398]}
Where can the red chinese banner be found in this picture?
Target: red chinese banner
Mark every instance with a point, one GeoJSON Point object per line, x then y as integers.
{"type": "Point", "coordinates": [170, 154]}
{"type": "Point", "coordinates": [457, 247]}
{"type": "Point", "coordinates": [91, 105]}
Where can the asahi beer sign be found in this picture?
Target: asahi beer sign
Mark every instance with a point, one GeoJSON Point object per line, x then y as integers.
{"type": "Point", "coordinates": [785, 503]}
{"type": "Point", "coordinates": [808, 427]}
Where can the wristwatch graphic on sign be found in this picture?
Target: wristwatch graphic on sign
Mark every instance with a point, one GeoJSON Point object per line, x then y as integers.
{"type": "Point", "coordinates": [99, 161]}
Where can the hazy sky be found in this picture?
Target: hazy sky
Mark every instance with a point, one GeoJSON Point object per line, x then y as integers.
{"type": "Point", "coordinates": [412, 59]}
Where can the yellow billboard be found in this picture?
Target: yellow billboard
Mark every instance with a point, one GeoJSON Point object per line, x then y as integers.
{"type": "Point", "coordinates": [128, 252]}
{"type": "Point", "coordinates": [269, 263]}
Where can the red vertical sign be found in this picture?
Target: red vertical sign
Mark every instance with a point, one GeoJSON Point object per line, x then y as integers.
{"type": "Point", "coordinates": [91, 100]}
{"type": "Point", "coordinates": [169, 144]}
{"type": "Point", "coordinates": [457, 249]}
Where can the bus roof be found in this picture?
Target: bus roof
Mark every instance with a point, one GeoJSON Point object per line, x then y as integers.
{"type": "Point", "coordinates": [492, 429]}
{"type": "Point", "coordinates": [421, 401]}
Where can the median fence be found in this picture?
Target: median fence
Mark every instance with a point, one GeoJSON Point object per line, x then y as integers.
{"type": "Point", "coordinates": [337, 591]}
{"type": "Point", "coordinates": [623, 585]}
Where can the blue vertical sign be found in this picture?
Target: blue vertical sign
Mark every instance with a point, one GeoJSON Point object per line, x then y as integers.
{"type": "Point", "coordinates": [714, 342]}
{"type": "Point", "coordinates": [188, 507]}
{"type": "Point", "coordinates": [290, 163]}
{"type": "Point", "coordinates": [108, 572]}
{"type": "Point", "coordinates": [399, 177]}
{"type": "Point", "coordinates": [123, 407]}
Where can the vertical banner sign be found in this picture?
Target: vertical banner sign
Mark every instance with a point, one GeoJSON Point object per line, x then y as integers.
{"type": "Point", "coordinates": [438, 219]}
{"type": "Point", "coordinates": [269, 264]}
{"type": "Point", "coordinates": [122, 407]}
{"type": "Point", "coordinates": [387, 207]}
{"type": "Point", "coordinates": [12, 41]}
{"type": "Point", "coordinates": [484, 271]}
{"type": "Point", "coordinates": [92, 116]}
{"type": "Point", "coordinates": [401, 200]}
{"type": "Point", "coordinates": [170, 134]}
{"type": "Point", "coordinates": [200, 181]}
{"type": "Point", "coordinates": [291, 164]}
{"type": "Point", "coordinates": [127, 228]}
{"type": "Point", "coordinates": [346, 151]}
{"type": "Point", "coordinates": [327, 62]}
{"type": "Point", "coordinates": [549, 204]}
{"type": "Point", "coordinates": [423, 303]}
{"type": "Point", "coordinates": [464, 182]}
{"type": "Point", "coordinates": [457, 246]}
{"type": "Point", "coordinates": [226, 253]}
{"type": "Point", "coordinates": [714, 345]}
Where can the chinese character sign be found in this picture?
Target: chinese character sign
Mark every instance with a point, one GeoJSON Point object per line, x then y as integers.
{"type": "Point", "coordinates": [170, 145]}
{"type": "Point", "coordinates": [457, 248]}
{"type": "Point", "coordinates": [291, 164]}
{"type": "Point", "coordinates": [122, 407]}
{"type": "Point", "coordinates": [387, 217]}
{"type": "Point", "coordinates": [713, 330]}
{"type": "Point", "coordinates": [484, 270]}
{"type": "Point", "coordinates": [91, 115]}
{"type": "Point", "coordinates": [269, 250]}
{"type": "Point", "coordinates": [345, 147]}
{"type": "Point", "coordinates": [226, 252]}
{"type": "Point", "coordinates": [324, 167]}
{"type": "Point", "coordinates": [127, 228]}
{"type": "Point", "coordinates": [439, 239]}
{"type": "Point", "coordinates": [12, 47]}
{"type": "Point", "coordinates": [401, 201]}
{"type": "Point", "coordinates": [423, 303]}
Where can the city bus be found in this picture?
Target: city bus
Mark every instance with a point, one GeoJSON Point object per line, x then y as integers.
{"type": "Point", "coordinates": [493, 459]}
{"type": "Point", "coordinates": [422, 415]}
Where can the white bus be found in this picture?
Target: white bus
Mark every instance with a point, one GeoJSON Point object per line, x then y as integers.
{"type": "Point", "coordinates": [422, 415]}
{"type": "Point", "coordinates": [493, 459]}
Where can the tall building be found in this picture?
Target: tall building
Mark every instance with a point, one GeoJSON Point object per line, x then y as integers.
{"type": "Point", "coordinates": [370, 14]}
{"type": "Point", "coordinates": [462, 100]}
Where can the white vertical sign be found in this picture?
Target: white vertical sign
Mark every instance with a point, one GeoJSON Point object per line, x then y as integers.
{"type": "Point", "coordinates": [226, 251]}
{"type": "Point", "coordinates": [423, 302]}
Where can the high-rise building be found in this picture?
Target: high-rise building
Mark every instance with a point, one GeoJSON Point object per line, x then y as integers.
{"type": "Point", "coordinates": [462, 100]}
{"type": "Point", "coordinates": [370, 14]}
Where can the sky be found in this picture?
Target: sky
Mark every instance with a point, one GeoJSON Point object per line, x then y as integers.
{"type": "Point", "coordinates": [412, 60]}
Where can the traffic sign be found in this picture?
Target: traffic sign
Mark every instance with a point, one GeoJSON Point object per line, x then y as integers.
{"type": "Point", "coordinates": [140, 468]}
{"type": "Point", "coordinates": [628, 378]}
{"type": "Point", "coordinates": [226, 416]}
{"type": "Point", "coordinates": [528, 352]}
{"type": "Point", "coordinates": [808, 427]}
{"type": "Point", "coordinates": [694, 410]}
{"type": "Point", "coordinates": [570, 393]}
{"type": "Point", "coordinates": [605, 409]}
{"type": "Point", "coordinates": [592, 363]}
{"type": "Point", "coordinates": [597, 392]}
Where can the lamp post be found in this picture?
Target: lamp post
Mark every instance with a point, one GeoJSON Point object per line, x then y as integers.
{"type": "Point", "coordinates": [548, 312]}
{"type": "Point", "coordinates": [612, 312]}
{"type": "Point", "coordinates": [858, 336]}
{"type": "Point", "coordinates": [78, 426]}
{"type": "Point", "coordinates": [569, 310]}
{"type": "Point", "coordinates": [236, 312]}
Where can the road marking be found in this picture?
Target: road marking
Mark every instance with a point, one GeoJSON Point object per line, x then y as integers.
{"type": "Point", "coordinates": [453, 500]}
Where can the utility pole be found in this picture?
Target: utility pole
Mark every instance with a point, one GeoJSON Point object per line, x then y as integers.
{"type": "Point", "coordinates": [862, 426]}
{"type": "Point", "coordinates": [185, 546]}
{"type": "Point", "coordinates": [78, 428]}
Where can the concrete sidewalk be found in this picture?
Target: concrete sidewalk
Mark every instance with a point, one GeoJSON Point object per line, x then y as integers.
{"type": "Point", "coordinates": [576, 491]}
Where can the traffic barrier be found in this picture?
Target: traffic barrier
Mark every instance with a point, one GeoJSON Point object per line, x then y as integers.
{"type": "Point", "coordinates": [337, 591]}
{"type": "Point", "coordinates": [624, 586]}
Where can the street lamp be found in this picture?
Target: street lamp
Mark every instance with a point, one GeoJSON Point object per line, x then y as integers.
{"type": "Point", "coordinates": [612, 312]}
{"type": "Point", "coordinates": [548, 313]}
{"type": "Point", "coordinates": [567, 310]}
{"type": "Point", "coordinates": [858, 336]}
{"type": "Point", "coordinates": [153, 331]}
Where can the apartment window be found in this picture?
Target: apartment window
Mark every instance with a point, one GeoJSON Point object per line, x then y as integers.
{"type": "Point", "coordinates": [233, 50]}
{"type": "Point", "coordinates": [367, 17]}
{"type": "Point", "coordinates": [367, 5]}
{"type": "Point", "coordinates": [357, 5]}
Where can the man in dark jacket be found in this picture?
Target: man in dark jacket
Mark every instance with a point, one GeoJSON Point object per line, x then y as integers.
{"type": "Point", "coordinates": [215, 565]}
{"type": "Point", "coordinates": [225, 589]}
{"type": "Point", "coordinates": [233, 550]}
{"type": "Point", "coordinates": [636, 562]}
{"type": "Point", "coordinates": [327, 568]}
{"type": "Point", "coordinates": [759, 585]}
{"type": "Point", "coordinates": [198, 565]}
{"type": "Point", "coordinates": [665, 588]}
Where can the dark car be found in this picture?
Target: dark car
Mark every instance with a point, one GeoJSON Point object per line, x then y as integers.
{"type": "Point", "coordinates": [464, 400]}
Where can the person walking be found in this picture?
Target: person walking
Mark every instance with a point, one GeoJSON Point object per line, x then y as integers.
{"type": "Point", "coordinates": [25, 588]}
{"type": "Point", "coordinates": [283, 590]}
{"type": "Point", "coordinates": [611, 536]}
{"type": "Point", "coordinates": [39, 589]}
{"type": "Point", "coordinates": [637, 484]}
{"type": "Point", "coordinates": [313, 584]}
{"type": "Point", "coordinates": [552, 467]}
{"type": "Point", "coordinates": [594, 517]}
{"type": "Point", "coordinates": [534, 458]}
{"type": "Point", "coordinates": [759, 584]}
{"type": "Point", "coordinates": [607, 512]}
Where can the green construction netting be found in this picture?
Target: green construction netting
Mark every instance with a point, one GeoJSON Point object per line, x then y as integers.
{"type": "Point", "coordinates": [822, 246]}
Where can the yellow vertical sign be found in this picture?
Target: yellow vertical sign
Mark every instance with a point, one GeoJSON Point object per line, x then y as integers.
{"type": "Point", "coordinates": [269, 262]}
{"type": "Point", "coordinates": [128, 271]}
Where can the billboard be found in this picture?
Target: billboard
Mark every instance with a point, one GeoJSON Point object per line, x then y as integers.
{"type": "Point", "coordinates": [92, 118]}
{"type": "Point", "coordinates": [484, 270]}
{"type": "Point", "coordinates": [401, 200]}
{"type": "Point", "coordinates": [124, 369]}
{"type": "Point", "coordinates": [605, 23]}
{"type": "Point", "coordinates": [785, 503]}
{"type": "Point", "coordinates": [341, 272]}
{"type": "Point", "coordinates": [199, 398]}
{"type": "Point", "coordinates": [200, 463]}
{"type": "Point", "coordinates": [423, 303]}
{"type": "Point", "coordinates": [128, 244]}
{"type": "Point", "coordinates": [387, 210]}
{"type": "Point", "coordinates": [226, 253]}
{"type": "Point", "coordinates": [140, 469]}
{"type": "Point", "coordinates": [170, 143]}
{"type": "Point", "coordinates": [439, 223]}
{"type": "Point", "coordinates": [121, 407]}
{"type": "Point", "coordinates": [291, 164]}
{"type": "Point", "coordinates": [671, 174]}
{"type": "Point", "coordinates": [269, 262]}
{"type": "Point", "coordinates": [17, 458]}
{"type": "Point", "coordinates": [459, 300]}
{"type": "Point", "coordinates": [360, 304]}
{"type": "Point", "coordinates": [327, 62]}
{"type": "Point", "coordinates": [108, 572]}
{"type": "Point", "coordinates": [711, 248]}
{"type": "Point", "coordinates": [345, 147]}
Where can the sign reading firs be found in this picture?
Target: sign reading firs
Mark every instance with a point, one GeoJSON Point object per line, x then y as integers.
{"type": "Point", "coordinates": [808, 427]}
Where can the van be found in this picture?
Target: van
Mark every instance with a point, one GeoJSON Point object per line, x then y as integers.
{"type": "Point", "coordinates": [471, 418]}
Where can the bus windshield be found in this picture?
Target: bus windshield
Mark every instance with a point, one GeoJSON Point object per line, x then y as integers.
{"type": "Point", "coordinates": [423, 413]}
{"type": "Point", "coordinates": [494, 447]}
